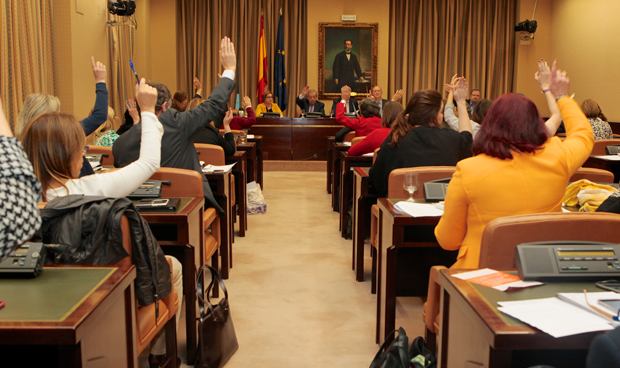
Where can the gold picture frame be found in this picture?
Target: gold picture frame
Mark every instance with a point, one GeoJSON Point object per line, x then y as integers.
{"type": "Point", "coordinates": [332, 38]}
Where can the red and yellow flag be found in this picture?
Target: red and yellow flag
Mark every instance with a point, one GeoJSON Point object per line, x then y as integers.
{"type": "Point", "coordinates": [262, 64]}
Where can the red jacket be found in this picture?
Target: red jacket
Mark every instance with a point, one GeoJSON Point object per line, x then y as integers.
{"type": "Point", "coordinates": [239, 123]}
{"type": "Point", "coordinates": [370, 143]}
{"type": "Point", "coordinates": [362, 126]}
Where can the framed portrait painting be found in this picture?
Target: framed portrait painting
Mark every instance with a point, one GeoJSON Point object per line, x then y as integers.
{"type": "Point", "coordinates": [347, 56]}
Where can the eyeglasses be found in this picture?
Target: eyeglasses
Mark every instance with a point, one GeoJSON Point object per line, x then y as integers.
{"type": "Point", "coordinates": [269, 97]}
{"type": "Point", "coordinates": [601, 311]}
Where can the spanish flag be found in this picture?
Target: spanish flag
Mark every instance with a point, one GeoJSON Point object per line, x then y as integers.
{"type": "Point", "coordinates": [262, 64]}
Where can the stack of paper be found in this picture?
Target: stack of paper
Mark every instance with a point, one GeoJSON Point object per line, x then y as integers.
{"type": "Point", "coordinates": [556, 317]}
{"type": "Point", "coordinates": [213, 168]}
{"type": "Point", "coordinates": [419, 209]}
{"type": "Point", "coordinates": [496, 279]}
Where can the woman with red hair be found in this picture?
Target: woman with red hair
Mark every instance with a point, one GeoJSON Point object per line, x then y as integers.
{"type": "Point", "coordinates": [517, 169]}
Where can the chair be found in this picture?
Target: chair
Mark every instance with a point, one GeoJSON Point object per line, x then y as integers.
{"type": "Point", "coordinates": [356, 140]}
{"type": "Point", "coordinates": [502, 235]}
{"type": "Point", "coordinates": [374, 155]}
{"type": "Point", "coordinates": [600, 145]}
{"type": "Point", "coordinates": [592, 174]}
{"type": "Point", "coordinates": [147, 325]}
{"type": "Point", "coordinates": [349, 136]}
{"type": "Point", "coordinates": [396, 190]}
{"type": "Point", "coordinates": [108, 157]}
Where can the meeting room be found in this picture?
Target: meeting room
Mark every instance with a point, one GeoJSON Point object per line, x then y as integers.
{"type": "Point", "coordinates": [309, 183]}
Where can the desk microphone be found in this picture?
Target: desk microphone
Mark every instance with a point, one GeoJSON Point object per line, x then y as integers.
{"type": "Point", "coordinates": [310, 158]}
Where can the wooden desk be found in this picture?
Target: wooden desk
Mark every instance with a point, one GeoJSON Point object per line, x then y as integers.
{"type": "Point", "coordinates": [475, 334]}
{"type": "Point", "coordinates": [294, 138]}
{"type": "Point", "coordinates": [250, 155]}
{"type": "Point", "coordinates": [396, 233]}
{"type": "Point", "coordinates": [258, 140]}
{"type": "Point", "coordinates": [239, 171]}
{"type": "Point", "coordinates": [346, 185]}
{"type": "Point", "coordinates": [605, 164]}
{"type": "Point", "coordinates": [180, 234]}
{"type": "Point", "coordinates": [330, 140]}
{"type": "Point", "coordinates": [364, 196]}
{"type": "Point", "coordinates": [337, 147]}
{"type": "Point", "coordinates": [70, 316]}
{"type": "Point", "coordinates": [221, 187]}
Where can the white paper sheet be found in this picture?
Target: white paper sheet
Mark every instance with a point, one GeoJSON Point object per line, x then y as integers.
{"type": "Point", "coordinates": [555, 317]}
{"type": "Point", "coordinates": [610, 157]}
{"type": "Point", "coordinates": [346, 144]}
{"type": "Point", "coordinates": [250, 136]}
{"type": "Point", "coordinates": [419, 209]}
{"type": "Point", "coordinates": [208, 169]}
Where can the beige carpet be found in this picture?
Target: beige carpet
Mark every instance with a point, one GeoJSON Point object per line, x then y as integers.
{"type": "Point", "coordinates": [293, 294]}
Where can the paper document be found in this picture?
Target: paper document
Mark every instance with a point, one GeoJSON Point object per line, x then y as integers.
{"type": "Point", "coordinates": [250, 136]}
{"type": "Point", "coordinates": [496, 279]}
{"type": "Point", "coordinates": [609, 157]}
{"type": "Point", "coordinates": [418, 209]}
{"type": "Point", "coordinates": [213, 168]}
{"type": "Point", "coordinates": [555, 317]}
{"type": "Point", "coordinates": [346, 144]}
{"type": "Point", "coordinates": [370, 154]}
{"type": "Point", "coordinates": [94, 163]}
{"type": "Point", "coordinates": [579, 299]}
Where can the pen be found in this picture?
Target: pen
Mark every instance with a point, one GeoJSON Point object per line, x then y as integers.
{"type": "Point", "coordinates": [1, 304]}
{"type": "Point", "coordinates": [134, 71]}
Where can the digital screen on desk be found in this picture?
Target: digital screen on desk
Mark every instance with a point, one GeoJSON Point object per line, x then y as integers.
{"type": "Point", "coordinates": [564, 253]}
{"type": "Point", "coordinates": [146, 185]}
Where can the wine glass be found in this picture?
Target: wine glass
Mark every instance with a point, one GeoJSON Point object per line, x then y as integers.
{"type": "Point", "coordinates": [410, 184]}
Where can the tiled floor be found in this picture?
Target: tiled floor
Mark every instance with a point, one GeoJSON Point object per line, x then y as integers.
{"type": "Point", "coordinates": [293, 295]}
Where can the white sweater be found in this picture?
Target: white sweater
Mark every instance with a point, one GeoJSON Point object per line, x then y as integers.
{"type": "Point", "coordinates": [123, 181]}
{"type": "Point", "coordinates": [453, 120]}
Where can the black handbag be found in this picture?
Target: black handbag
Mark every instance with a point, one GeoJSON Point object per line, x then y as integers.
{"type": "Point", "coordinates": [217, 341]}
{"type": "Point", "coordinates": [394, 356]}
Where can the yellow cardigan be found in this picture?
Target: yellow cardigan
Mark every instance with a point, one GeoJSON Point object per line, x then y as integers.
{"type": "Point", "coordinates": [484, 188]}
{"type": "Point", "coordinates": [261, 108]}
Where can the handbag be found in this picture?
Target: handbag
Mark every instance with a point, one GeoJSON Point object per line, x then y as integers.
{"type": "Point", "coordinates": [394, 356]}
{"type": "Point", "coordinates": [217, 341]}
{"type": "Point", "coordinates": [256, 201]}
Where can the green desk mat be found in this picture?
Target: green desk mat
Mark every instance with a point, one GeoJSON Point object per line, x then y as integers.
{"type": "Point", "coordinates": [50, 297]}
{"type": "Point", "coordinates": [492, 296]}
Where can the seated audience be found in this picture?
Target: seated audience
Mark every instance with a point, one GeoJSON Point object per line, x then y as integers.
{"type": "Point", "coordinates": [177, 149]}
{"type": "Point", "coordinates": [240, 122]}
{"type": "Point", "coordinates": [391, 110]}
{"type": "Point", "coordinates": [38, 103]}
{"type": "Point", "coordinates": [369, 120]}
{"type": "Point", "coordinates": [180, 98]}
{"type": "Point", "coordinates": [518, 169]}
{"type": "Point", "coordinates": [416, 138]}
{"type": "Point", "coordinates": [211, 135]}
{"type": "Point", "coordinates": [19, 192]}
{"type": "Point", "coordinates": [104, 135]}
{"type": "Point", "coordinates": [598, 121]}
{"type": "Point", "coordinates": [268, 105]}
{"type": "Point", "coordinates": [482, 107]}
{"type": "Point", "coordinates": [345, 95]}
{"type": "Point", "coordinates": [307, 101]}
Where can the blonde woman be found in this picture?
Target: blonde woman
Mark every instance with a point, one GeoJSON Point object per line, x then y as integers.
{"type": "Point", "coordinates": [105, 134]}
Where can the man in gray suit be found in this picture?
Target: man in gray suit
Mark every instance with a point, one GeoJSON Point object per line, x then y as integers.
{"type": "Point", "coordinates": [177, 146]}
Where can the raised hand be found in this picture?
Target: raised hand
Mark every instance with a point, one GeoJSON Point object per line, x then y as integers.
{"type": "Point", "coordinates": [5, 129]}
{"type": "Point", "coordinates": [133, 110]}
{"type": "Point", "coordinates": [198, 86]}
{"type": "Point", "coordinates": [98, 70]}
{"type": "Point", "coordinates": [228, 118]}
{"type": "Point", "coordinates": [228, 58]}
{"type": "Point", "coordinates": [447, 87]}
{"type": "Point", "coordinates": [398, 95]}
{"type": "Point", "coordinates": [462, 89]}
{"type": "Point", "coordinates": [146, 96]}
{"type": "Point", "coordinates": [454, 80]}
{"type": "Point", "coordinates": [305, 90]}
{"type": "Point", "coordinates": [543, 75]}
{"type": "Point", "coordinates": [245, 102]}
{"type": "Point", "coordinates": [559, 84]}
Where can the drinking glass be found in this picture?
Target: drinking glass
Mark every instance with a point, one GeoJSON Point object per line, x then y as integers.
{"type": "Point", "coordinates": [243, 138]}
{"type": "Point", "coordinates": [410, 184]}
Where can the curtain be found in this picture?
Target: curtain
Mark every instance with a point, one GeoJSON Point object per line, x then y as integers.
{"type": "Point", "coordinates": [202, 24]}
{"type": "Point", "coordinates": [121, 81]}
{"type": "Point", "coordinates": [433, 40]}
{"type": "Point", "coordinates": [26, 64]}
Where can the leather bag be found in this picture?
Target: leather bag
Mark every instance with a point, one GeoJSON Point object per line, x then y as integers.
{"type": "Point", "coordinates": [394, 356]}
{"type": "Point", "coordinates": [217, 341]}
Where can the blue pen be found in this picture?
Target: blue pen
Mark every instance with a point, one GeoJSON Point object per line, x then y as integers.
{"type": "Point", "coordinates": [134, 71]}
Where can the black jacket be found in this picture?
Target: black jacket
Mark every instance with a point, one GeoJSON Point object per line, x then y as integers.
{"type": "Point", "coordinates": [177, 146]}
{"type": "Point", "coordinates": [211, 135]}
{"type": "Point", "coordinates": [304, 104]}
{"type": "Point", "coordinates": [88, 229]}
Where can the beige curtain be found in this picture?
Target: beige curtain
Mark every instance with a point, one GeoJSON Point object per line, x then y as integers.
{"type": "Point", "coordinates": [26, 64]}
{"type": "Point", "coordinates": [433, 40]}
{"type": "Point", "coordinates": [121, 81]}
{"type": "Point", "coordinates": [202, 24]}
